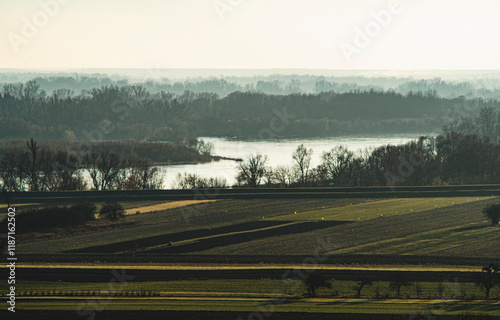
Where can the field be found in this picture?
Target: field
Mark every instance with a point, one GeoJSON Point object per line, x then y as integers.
{"type": "Point", "coordinates": [235, 255]}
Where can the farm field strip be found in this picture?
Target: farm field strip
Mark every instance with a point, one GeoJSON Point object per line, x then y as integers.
{"type": "Point", "coordinates": [179, 237]}
{"type": "Point", "coordinates": [376, 209]}
{"type": "Point", "coordinates": [164, 206]}
{"type": "Point", "coordinates": [243, 287]}
{"type": "Point", "coordinates": [221, 240]}
{"type": "Point", "coordinates": [214, 236]}
{"type": "Point", "coordinates": [394, 306]}
{"type": "Point", "coordinates": [247, 267]}
{"type": "Point", "coordinates": [428, 242]}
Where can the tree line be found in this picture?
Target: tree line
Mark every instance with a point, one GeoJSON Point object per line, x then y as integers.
{"type": "Point", "coordinates": [37, 169]}
{"type": "Point", "coordinates": [451, 158]}
{"type": "Point", "coordinates": [133, 112]}
{"type": "Point", "coordinates": [270, 84]}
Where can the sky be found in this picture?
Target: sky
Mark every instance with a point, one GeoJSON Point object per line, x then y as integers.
{"type": "Point", "coordinates": [250, 34]}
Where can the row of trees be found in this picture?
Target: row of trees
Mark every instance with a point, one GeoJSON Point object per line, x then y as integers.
{"type": "Point", "coordinates": [487, 281]}
{"type": "Point", "coordinates": [453, 158]}
{"type": "Point", "coordinates": [37, 169]}
{"type": "Point", "coordinates": [194, 181]}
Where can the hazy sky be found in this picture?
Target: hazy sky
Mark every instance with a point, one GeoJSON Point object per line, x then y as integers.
{"type": "Point", "coordinates": [315, 34]}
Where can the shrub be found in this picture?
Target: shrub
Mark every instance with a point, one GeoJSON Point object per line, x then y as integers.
{"type": "Point", "coordinates": [111, 211]}
{"type": "Point", "coordinates": [493, 213]}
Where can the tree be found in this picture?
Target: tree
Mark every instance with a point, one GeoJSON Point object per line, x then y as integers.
{"type": "Point", "coordinates": [140, 175]}
{"type": "Point", "coordinates": [397, 284]}
{"type": "Point", "coordinates": [282, 175]}
{"type": "Point", "coordinates": [14, 171]}
{"type": "Point", "coordinates": [59, 171]}
{"type": "Point", "coordinates": [104, 169]}
{"type": "Point", "coordinates": [489, 279]}
{"type": "Point", "coordinates": [302, 162]}
{"type": "Point", "coordinates": [418, 289]}
{"type": "Point", "coordinates": [252, 170]}
{"type": "Point", "coordinates": [486, 121]}
{"type": "Point", "coordinates": [111, 211]}
{"type": "Point", "coordinates": [32, 172]}
{"type": "Point", "coordinates": [314, 282]}
{"type": "Point", "coordinates": [338, 164]}
{"type": "Point", "coordinates": [188, 181]}
{"type": "Point", "coordinates": [361, 284]}
{"type": "Point", "coordinates": [492, 212]}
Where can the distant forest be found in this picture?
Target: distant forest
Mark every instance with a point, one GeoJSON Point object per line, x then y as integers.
{"type": "Point", "coordinates": [469, 87]}
{"type": "Point", "coordinates": [263, 110]}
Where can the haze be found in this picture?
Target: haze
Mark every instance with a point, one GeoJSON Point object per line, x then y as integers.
{"type": "Point", "coordinates": [249, 34]}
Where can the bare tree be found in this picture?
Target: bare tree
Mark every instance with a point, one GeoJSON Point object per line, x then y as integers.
{"type": "Point", "coordinates": [104, 169]}
{"type": "Point", "coordinates": [338, 164]}
{"type": "Point", "coordinates": [193, 181]}
{"type": "Point", "coordinates": [139, 174]}
{"type": "Point", "coordinates": [252, 170]}
{"type": "Point", "coordinates": [13, 171]}
{"type": "Point", "coordinates": [302, 162]}
{"type": "Point", "coordinates": [283, 175]}
{"type": "Point", "coordinates": [32, 171]}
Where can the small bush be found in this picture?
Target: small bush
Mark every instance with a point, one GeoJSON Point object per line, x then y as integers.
{"type": "Point", "coordinates": [493, 213]}
{"type": "Point", "coordinates": [111, 211]}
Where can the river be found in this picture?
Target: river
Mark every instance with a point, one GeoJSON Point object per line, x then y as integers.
{"type": "Point", "coordinates": [279, 152]}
